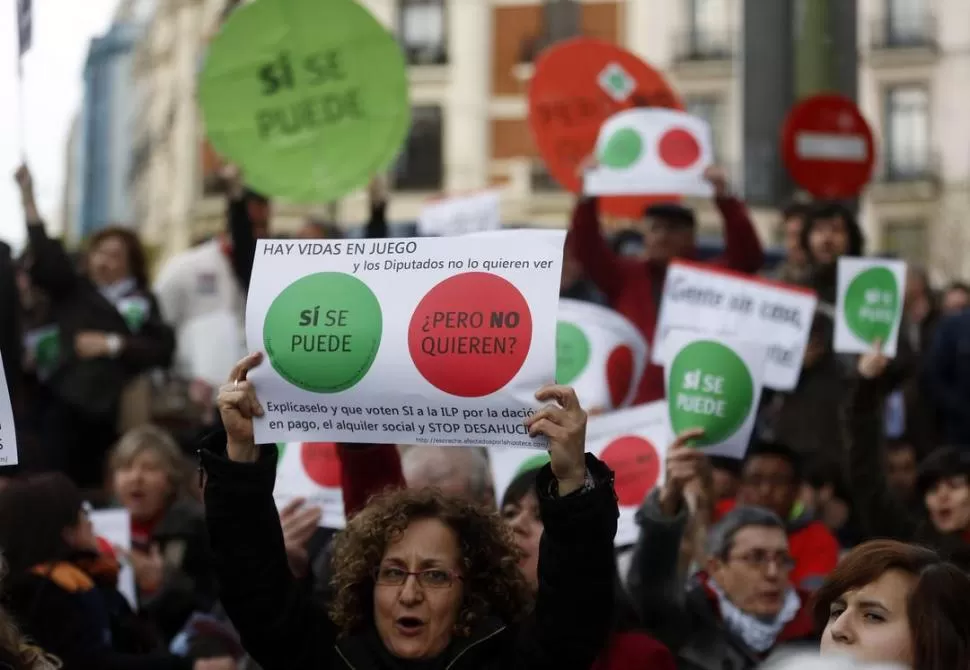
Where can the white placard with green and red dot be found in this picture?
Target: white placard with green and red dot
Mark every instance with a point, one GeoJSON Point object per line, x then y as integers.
{"type": "Point", "coordinates": [440, 341]}
{"type": "Point", "coordinates": [599, 353]}
{"type": "Point", "coordinates": [652, 151]}
{"type": "Point", "coordinates": [714, 383]}
{"type": "Point", "coordinates": [869, 305]}
{"type": "Point", "coordinates": [631, 441]}
{"type": "Point", "coordinates": [311, 471]}
{"type": "Point", "coordinates": [725, 303]}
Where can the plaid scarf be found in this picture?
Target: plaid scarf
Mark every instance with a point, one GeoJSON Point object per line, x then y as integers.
{"type": "Point", "coordinates": [757, 634]}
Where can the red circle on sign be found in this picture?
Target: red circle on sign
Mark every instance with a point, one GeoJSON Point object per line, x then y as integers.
{"type": "Point", "coordinates": [828, 146]}
{"type": "Point", "coordinates": [568, 104]}
{"type": "Point", "coordinates": [678, 148]}
{"type": "Point", "coordinates": [470, 334]}
{"type": "Point", "coordinates": [619, 374]}
{"type": "Point", "coordinates": [637, 467]}
{"type": "Point", "coordinates": [321, 463]}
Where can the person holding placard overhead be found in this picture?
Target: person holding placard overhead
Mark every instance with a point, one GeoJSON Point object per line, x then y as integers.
{"type": "Point", "coordinates": [421, 579]}
{"type": "Point", "coordinates": [634, 287]}
{"type": "Point", "coordinates": [111, 333]}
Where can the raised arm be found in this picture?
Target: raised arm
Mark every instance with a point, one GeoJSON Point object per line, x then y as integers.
{"type": "Point", "coordinates": [277, 619]}
{"type": "Point", "coordinates": [586, 242]}
{"type": "Point", "coordinates": [377, 195]}
{"type": "Point", "coordinates": [655, 583]}
{"type": "Point", "coordinates": [51, 268]}
{"type": "Point", "coordinates": [240, 225]}
{"type": "Point", "coordinates": [742, 247]}
{"type": "Point", "coordinates": [574, 604]}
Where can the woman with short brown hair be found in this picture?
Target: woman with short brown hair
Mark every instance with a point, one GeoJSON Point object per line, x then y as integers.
{"type": "Point", "coordinates": [892, 602]}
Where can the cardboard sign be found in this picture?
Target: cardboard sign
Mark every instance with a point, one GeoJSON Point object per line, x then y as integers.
{"type": "Point", "coordinates": [309, 98]}
{"type": "Point", "coordinates": [599, 353]}
{"type": "Point", "coordinates": [578, 84]}
{"type": "Point", "coordinates": [828, 147]}
{"type": "Point", "coordinates": [440, 341]}
{"type": "Point", "coordinates": [461, 215]}
{"type": "Point", "coordinates": [652, 151]}
{"type": "Point", "coordinates": [311, 471]}
{"type": "Point", "coordinates": [8, 431]}
{"type": "Point", "coordinates": [870, 304]}
{"type": "Point", "coordinates": [714, 384]}
{"type": "Point", "coordinates": [720, 302]}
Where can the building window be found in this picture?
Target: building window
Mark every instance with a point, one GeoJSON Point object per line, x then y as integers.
{"type": "Point", "coordinates": [422, 31]}
{"type": "Point", "coordinates": [707, 30]}
{"type": "Point", "coordinates": [908, 22]}
{"type": "Point", "coordinates": [907, 133]}
{"type": "Point", "coordinates": [711, 110]}
{"type": "Point", "coordinates": [907, 240]}
{"type": "Point", "coordinates": [540, 181]}
{"type": "Point", "coordinates": [420, 165]}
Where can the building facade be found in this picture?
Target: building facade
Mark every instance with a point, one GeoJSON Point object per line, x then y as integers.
{"type": "Point", "coordinates": [906, 62]}
{"type": "Point", "coordinates": [105, 131]}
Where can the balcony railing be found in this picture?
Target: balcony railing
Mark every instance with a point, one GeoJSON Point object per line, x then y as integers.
{"type": "Point", "coordinates": [917, 31]}
{"type": "Point", "coordinates": [705, 45]}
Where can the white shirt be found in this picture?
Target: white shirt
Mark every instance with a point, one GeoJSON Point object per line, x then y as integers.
{"type": "Point", "coordinates": [201, 299]}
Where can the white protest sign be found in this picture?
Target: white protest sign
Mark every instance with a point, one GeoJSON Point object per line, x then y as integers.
{"type": "Point", "coordinates": [599, 353]}
{"type": "Point", "coordinates": [633, 442]}
{"type": "Point", "coordinates": [311, 471]}
{"type": "Point", "coordinates": [652, 151]}
{"type": "Point", "coordinates": [461, 215]}
{"type": "Point", "coordinates": [724, 303]}
{"type": "Point", "coordinates": [714, 383]}
{"type": "Point", "coordinates": [114, 526]}
{"type": "Point", "coordinates": [8, 431]}
{"type": "Point", "coordinates": [438, 341]}
{"type": "Point", "coordinates": [869, 305]}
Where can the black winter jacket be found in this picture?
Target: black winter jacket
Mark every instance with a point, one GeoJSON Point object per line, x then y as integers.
{"type": "Point", "coordinates": [283, 627]}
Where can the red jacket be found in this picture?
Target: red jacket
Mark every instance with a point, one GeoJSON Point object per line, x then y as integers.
{"type": "Point", "coordinates": [634, 287]}
{"type": "Point", "coordinates": [634, 651]}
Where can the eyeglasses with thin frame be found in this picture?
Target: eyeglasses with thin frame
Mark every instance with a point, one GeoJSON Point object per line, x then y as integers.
{"type": "Point", "coordinates": [762, 559]}
{"type": "Point", "coordinates": [432, 578]}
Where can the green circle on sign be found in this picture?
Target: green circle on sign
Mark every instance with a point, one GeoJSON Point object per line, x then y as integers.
{"type": "Point", "coordinates": [622, 149]}
{"type": "Point", "coordinates": [710, 388]}
{"type": "Point", "coordinates": [572, 352]}
{"type": "Point", "coordinates": [872, 304]}
{"type": "Point", "coordinates": [309, 98]}
{"type": "Point", "coordinates": [323, 331]}
{"type": "Point", "coordinates": [532, 463]}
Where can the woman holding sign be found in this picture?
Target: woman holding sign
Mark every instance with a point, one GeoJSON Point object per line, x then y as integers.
{"type": "Point", "coordinates": [419, 576]}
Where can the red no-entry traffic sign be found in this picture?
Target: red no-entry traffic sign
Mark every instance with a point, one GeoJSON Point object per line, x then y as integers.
{"type": "Point", "coordinates": [828, 147]}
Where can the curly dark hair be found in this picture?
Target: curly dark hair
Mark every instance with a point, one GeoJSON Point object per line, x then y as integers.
{"type": "Point", "coordinates": [494, 584]}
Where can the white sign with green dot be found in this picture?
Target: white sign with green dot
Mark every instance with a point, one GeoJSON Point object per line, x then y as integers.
{"type": "Point", "coordinates": [714, 384]}
{"type": "Point", "coordinates": [650, 152]}
{"type": "Point", "coordinates": [870, 304]}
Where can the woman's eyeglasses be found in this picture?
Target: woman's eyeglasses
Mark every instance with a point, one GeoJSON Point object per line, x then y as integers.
{"type": "Point", "coordinates": [433, 578]}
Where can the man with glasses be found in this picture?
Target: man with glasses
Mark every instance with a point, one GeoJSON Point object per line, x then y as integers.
{"type": "Point", "coordinates": [742, 605]}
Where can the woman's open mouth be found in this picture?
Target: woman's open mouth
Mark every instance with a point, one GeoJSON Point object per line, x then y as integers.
{"type": "Point", "coordinates": [409, 626]}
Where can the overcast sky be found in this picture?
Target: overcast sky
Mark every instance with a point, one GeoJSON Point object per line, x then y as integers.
{"type": "Point", "coordinates": [52, 94]}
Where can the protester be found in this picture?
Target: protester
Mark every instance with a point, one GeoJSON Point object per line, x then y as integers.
{"type": "Point", "coordinates": [170, 549]}
{"type": "Point", "coordinates": [456, 472]}
{"type": "Point", "coordinates": [418, 575]}
{"type": "Point", "coordinates": [795, 268]}
{"type": "Point", "coordinates": [63, 590]}
{"type": "Point", "coordinates": [830, 232]}
{"type": "Point", "coordinates": [111, 333]}
{"type": "Point", "coordinates": [772, 478]}
{"type": "Point", "coordinates": [943, 478]}
{"type": "Point", "coordinates": [741, 606]}
{"type": "Point", "coordinates": [574, 284]}
{"type": "Point", "coordinates": [901, 472]}
{"type": "Point", "coordinates": [890, 602]}
{"type": "Point", "coordinates": [634, 287]}
{"type": "Point", "coordinates": [947, 377]}
{"type": "Point", "coordinates": [627, 647]}
{"type": "Point", "coordinates": [956, 298]}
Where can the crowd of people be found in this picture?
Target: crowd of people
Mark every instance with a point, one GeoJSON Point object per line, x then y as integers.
{"type": "Point", "coordinates": [845, 528]}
